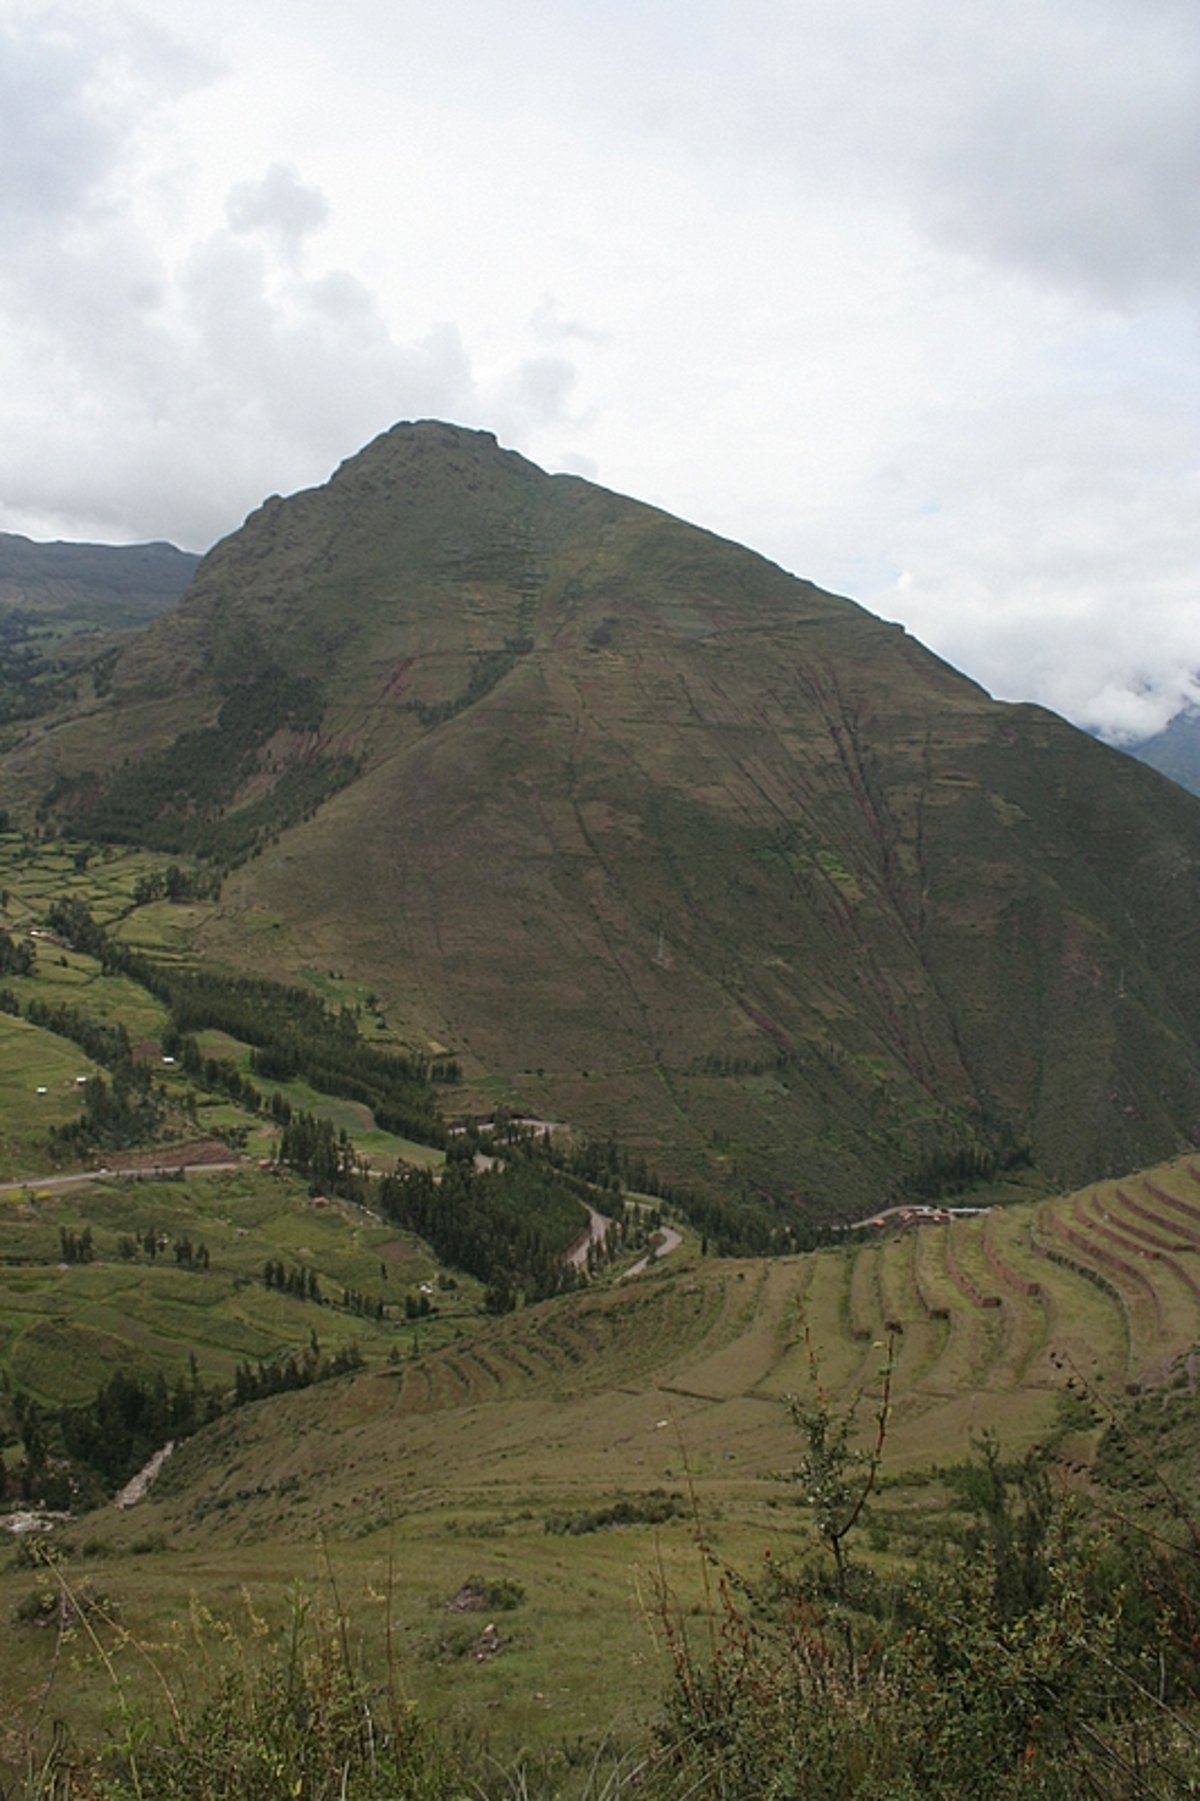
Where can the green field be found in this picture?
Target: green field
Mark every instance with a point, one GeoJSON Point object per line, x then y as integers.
{"type": "Point", "coordinates": [142, 1314]}
{"type": "Point", "coordinates": [31, 1059]}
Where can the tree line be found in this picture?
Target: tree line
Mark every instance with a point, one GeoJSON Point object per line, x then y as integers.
{"type": "Point", "coordinates": [179, 799]}
{"type": "Point", "coordinates": [293, 1032]}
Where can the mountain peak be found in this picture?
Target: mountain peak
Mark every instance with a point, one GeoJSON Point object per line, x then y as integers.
{"type": "Point", "coordinates": [662, 839]}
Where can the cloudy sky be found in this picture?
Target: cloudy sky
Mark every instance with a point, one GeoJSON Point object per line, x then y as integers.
{"type": "Point", "coordinates": [903, 293]}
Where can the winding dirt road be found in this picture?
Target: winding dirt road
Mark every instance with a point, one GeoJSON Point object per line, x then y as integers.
{"type": "Point", "coordinates": [597, 1231]}
{"type": "Point", "coordinates": [667, 1240]}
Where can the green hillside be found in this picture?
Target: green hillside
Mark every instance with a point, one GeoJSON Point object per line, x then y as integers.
{"type": "Point", "coordinates": [654, 836]}
{"type": "Point", "coordinates": [566, 1460]}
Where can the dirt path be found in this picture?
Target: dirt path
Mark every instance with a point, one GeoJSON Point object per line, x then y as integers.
{"type": "Point", "coordinates": [667, 1240]}
{"type": "Point", "coordinates": [56, 1183]}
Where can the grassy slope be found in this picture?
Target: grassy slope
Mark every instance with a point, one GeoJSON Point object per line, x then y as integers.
{"type": "Point", "coordinates": [419, 1474]}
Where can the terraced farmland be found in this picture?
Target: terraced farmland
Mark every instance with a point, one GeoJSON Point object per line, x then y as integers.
{"type": "Point", "coordinates": [984, 1314]}
{"type": "Point", "coordinates": [464, 1439]}
{"type": "Point", "coordinates": [693, 1361]}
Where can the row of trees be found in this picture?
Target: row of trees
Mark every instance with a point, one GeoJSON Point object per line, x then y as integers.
{"type": "Point", "coordinates": [255, 1382]}
{"type": "Point", "coordinates": [293, 1032]}
{"type": "Point", "coordinates": [151, 1242]}
{"type": "Point", "coordinates": [299, 1282]}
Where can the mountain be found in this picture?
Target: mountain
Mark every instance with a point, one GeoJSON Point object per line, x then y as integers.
{"type": "Point", "coordinates": [91, 586]}
{"type": "Point", "coordinates": [1175, 751]}
{"type": "Point", "coordinates": [656, 837]}
{"type": "Point", "coordinates": [59, 605]}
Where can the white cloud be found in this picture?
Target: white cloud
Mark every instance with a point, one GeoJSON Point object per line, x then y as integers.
{"type": "Point", "coordinates": [280, 205]}
{"type": "Point", "coordinates": [904, 296]}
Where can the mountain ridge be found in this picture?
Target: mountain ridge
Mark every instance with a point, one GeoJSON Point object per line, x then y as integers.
{"type": "Point", "coordinates": [110, 586]}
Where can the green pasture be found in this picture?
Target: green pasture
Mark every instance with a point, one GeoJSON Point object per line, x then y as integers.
{"type": "Point", "coordinates": [31, 1059]}
{"type": "Point", "coordinates": [66, 1328]}
{"type": "Point", "coordinates": [164, 930]}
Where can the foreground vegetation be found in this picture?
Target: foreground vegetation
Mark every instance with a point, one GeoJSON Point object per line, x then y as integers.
{"type": "Point", "coordinates": [1043, 1645]}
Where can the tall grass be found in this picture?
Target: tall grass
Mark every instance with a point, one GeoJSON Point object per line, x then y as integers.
{"type": "Point", "coordinates": [1047, 1649]}
{"type": "Point", "coordinates": [285, 1716]}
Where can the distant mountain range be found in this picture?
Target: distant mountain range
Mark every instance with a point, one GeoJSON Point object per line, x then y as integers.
{"type": "Point", "coordinates": [1175, 751]}
{"type": "Point", "coordinates": [61, 607]}
{"type": "Point", "coordinates": [95, 586]}
{"type": "Point", "coordinates": [654, 836]}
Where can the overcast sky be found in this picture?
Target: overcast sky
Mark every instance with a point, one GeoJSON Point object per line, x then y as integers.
{"type": "Point", "coordinates": [903, 293]}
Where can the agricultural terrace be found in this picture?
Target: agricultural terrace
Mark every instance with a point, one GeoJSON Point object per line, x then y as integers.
{"type": "Point", "coordinates": [571, 1448]}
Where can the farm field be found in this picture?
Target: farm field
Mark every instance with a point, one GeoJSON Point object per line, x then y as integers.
{"type": "Point", "coordinates": [34, 873]}
{"type": "Point", "coordinates": [573, 1451]}
{"type": "Point", "coordinates": [65, 1328]}
{"type": "Point", "coordinates": [111, 882]}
